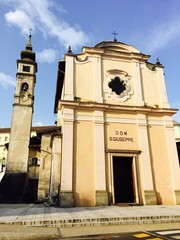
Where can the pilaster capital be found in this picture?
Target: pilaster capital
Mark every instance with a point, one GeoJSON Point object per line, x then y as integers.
{"type": "Point", "coordinates": [98, 117]}
{"type": "Point", "coordinates": [68, 115]}
{"type": "Point", "coordinates": [142, 120]}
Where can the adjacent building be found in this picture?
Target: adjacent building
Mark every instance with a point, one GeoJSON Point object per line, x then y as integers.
{"type": "Point", "coordinates": [5, 136]}
{"type": "Point", "coordinates": [4, 139]}
{"type": "Point", "coordinates": [177, 136]}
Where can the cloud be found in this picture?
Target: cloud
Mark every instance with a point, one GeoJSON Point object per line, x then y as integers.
{"type": "Point", "coordinates": [18, 17]}
{"type": "Point", "coordinates": [40, 16]}
{"type": "Point", "coordinates": [163, 34]}
{"type": "Point", "coordinates": [47, 55]}
{"type": "Point", "coordinates": [6, 80]}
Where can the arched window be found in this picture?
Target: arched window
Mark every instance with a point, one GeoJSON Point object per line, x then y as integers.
{"type": "Point", "coordinates": [24, 87]}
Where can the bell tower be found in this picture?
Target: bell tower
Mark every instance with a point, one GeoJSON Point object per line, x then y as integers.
{"type": "Point", "coordinates": [22, 111]}
{"type": "Point", "coordinates": [14, 184]}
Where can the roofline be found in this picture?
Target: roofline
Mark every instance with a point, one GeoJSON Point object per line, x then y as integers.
{"type": "Point", "coordinates": [59, 83]}
{"type": "Point", "coordinates": [5, 130]}
{"type": "Point", "coordinates": [34, 128]}
{"type": "Point", "coordinates": [37, 128]}
{"type": "Point", "coordinates": [117, 42]}
{"type": "Point", "coordinates": [50, 130]}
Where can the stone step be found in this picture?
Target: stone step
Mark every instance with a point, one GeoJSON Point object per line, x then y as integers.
{"type": "Point", "coordinates": [96, 221]}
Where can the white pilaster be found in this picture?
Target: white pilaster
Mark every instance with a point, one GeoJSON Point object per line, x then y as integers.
{"type": "Point", "coordinates": [69, 78]}
{"type": "Point", "coordinates": [162, 88]}
{"type": "Point", "coordinates": [145, 154]}
{"type": "Point", "coordinates": [67, 150]}
{"type": "Point", "coordinates": [172, 151]}
{"type": "Point", "coordinates": [98, 80]}
{"type": "Point", "coordinates": [139, 101]}
{"type": "Point", "coordinates": [55, 166]}
{"type": "Point", "coordinates": [99, 150]}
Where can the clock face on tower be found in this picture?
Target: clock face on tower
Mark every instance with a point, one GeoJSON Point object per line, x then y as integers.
{"type": "Point", "coordinates": [24, 96]}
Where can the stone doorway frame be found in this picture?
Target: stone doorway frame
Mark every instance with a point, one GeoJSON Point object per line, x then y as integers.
{"type": "Point", "coordinates": [136, 180]}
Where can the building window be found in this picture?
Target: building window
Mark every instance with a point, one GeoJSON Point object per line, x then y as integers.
{"type": "Point", "coordinates": [24, 87]}
{"type": "Point", "coordinates": [34, 161]}
{"type": "Point", "coordinates": [117, 85]}
{"type": "Point", "coordinates": [26, 68]}
{"type": "Point", "coordinates": [6, 139]}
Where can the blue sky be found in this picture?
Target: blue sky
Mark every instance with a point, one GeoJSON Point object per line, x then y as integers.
{"type": "Point", "coordinates": [151, 26]}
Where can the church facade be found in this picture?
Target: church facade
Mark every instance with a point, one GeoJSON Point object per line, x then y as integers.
{"type": "Point", "coordinates": [114, 141]}
{"type": "Point", "coordinates": [117, 142]}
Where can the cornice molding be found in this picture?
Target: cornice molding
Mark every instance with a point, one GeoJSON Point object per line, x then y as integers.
{"type": "Point", "coordinates": [115, 107]}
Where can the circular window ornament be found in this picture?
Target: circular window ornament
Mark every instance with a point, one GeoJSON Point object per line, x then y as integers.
{"type": "Point", "coordinates": [117, 88]}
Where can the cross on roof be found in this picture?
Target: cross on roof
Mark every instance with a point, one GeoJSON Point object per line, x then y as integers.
{"type": "Point", "coordinates": [115, 34]}
{"type": "Point", "coordinates": [30, 30]}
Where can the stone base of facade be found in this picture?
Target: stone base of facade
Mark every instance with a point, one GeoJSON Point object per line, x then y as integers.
{"type": "Point", "coordinates": [150, 197]}
{"type": "Point", "coordinates": [101, 198]}
{"type": "Point", "coordinates": [13, 188]}
{"type": "Point", "coordinates": [66, 199]}
{"type": "Point", "coordinates": [177, 195]}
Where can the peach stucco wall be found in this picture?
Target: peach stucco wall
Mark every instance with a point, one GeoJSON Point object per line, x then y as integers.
{"type": "Point", "coordinates": [84, 170]}
{"type": "Point", "coordinates": [162, 175]}
{"type": "Point", "coordinates": [83, 81]}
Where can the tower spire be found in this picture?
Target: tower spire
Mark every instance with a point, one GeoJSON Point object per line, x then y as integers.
{"type": "Point", "coordinates": [28, 52]}
{"type": "Point", "coordinates": [29, 46]}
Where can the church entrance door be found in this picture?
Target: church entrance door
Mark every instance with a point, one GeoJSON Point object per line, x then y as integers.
{"type": "Point", "coordinates": [123, 178]}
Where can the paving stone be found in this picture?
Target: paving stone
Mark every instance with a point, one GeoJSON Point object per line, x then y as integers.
{"type": "Point", "coordinates": [39, 215]}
